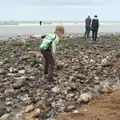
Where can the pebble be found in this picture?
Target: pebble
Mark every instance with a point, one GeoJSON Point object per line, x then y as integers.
{"type": "Point", "coordinates": [85, 97]}
{"type": "Point", "coordinates": [29, 108]}
{"type": "Point", "coordinates": [5, 117]}
{"type": "Point", "coordinates": [70, 108]}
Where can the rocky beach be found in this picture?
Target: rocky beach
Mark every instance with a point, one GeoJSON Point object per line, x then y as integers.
{"type": "Point", "coordinates": [84, 71]}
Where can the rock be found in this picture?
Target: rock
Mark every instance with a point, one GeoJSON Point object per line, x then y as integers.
{"type": "Point", "coordinates": [9, 103]}
{"type": "Point", "coordinates": [60, 65]}
{"type": "Point", "coordinates": [85, 97]}
{"type": "Point", "coordinates": [56, 89]}
{"type": "Point", "coordinates": [81, 76]}
{"type": "Point", "coordinates": [104, 61]}
{"type": "Point", "coordinates": [104, 87]}
{"type": "Point", "coordinates": [19, 115]}
{"type": "Point", "coordinates": [118, 55]}
{"type": "Point", "coordinates": [73, 86]}
{"type": "Point", "coordinates": [70, 108]}
{"type": "Point", "coordinates": [18, 84]}
{"type": "Point", "coordinates": [9, 74]}
{"type": "Point", "coordinates": [5, 117]}
{"type": "Point", "coordinates": [97, 80]}
{"type": "Point", "coordinates": [108, 64]}
{"type": "Point", "coordinates": [23, 89]}
{"type": "Point", "coordinates": [13, 70]}
{"type": "Point", "coordinates": [9, 91]}
{"type": "Point", "coordinates": [75, 111]}
{"type": "Point", "coordinates": [21, 71]}
{"type": "Point", "coordinates": [58, 106]}
{"type": "Point", "coordinates": [24, 98]}
{"type": "Point", "coordinates": [1, 63]}
{"type": "Point", "coordinates": [40, 105]}
{"type": "Point", "coordinates": [29, 108]}
{"type": "Point", "coordinates": [33, 115]}
{"type": "Point", "coordinates": [3, 111]}
{"type": "Point", "coordinates": [71, 78]}
{"type": "Point", "coordinates": [3, 72]}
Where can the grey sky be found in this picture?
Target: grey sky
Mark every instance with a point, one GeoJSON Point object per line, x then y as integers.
{"type": "Point", "coordinates": [59, 9]}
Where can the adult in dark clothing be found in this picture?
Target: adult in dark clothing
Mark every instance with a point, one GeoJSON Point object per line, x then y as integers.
{"type": "Point", "coordinates": [87, 26]}
{"type": "Point", "coordinates": [94, 27]}
{"type": "Point", "coordinates": [40, 22]}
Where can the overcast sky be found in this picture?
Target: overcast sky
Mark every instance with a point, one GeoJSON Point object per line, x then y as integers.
{"type": "Point", "coordinates": [59, 9]}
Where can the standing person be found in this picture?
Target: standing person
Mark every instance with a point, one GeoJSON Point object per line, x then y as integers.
{"type": "Point", "coordinates": [40, 22]}
{"type": "Point", "coordinates": [94, 27]}
{"type": "Point", "coordinates": [48, 49]}
{"type": "Point", "coordinates": [87, 26]}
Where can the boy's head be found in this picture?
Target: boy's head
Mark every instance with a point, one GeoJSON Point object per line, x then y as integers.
{"type": "Point", "coordinates": [59, 30]}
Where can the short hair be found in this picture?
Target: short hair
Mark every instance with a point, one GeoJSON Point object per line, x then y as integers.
{"type": "Point", "coordinates": [95, 16]}
{"type": "Point", "coordinates": [59, 28]}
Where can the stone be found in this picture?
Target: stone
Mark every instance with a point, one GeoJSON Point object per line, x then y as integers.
{"type": "Point", "coordinates": [73, 86]}
{"type": "Point", "coordinates": [3, 72]}
{"type": "Point", "coordinates": [18, 84]}
{"type": "Point", "coordinates": [85, 97]}
{"type": "Point", "coordinates": [9, 103]}
{"type": "Point", "coordinates": [108, 64]}
{"type": "Point", "coordinates": [104, 87]}
{"type": "Point", "coordinates": [75, 111]}
{"type": "Point", "coordinates": [25, 97]}
{"type": "Point", "coordinates": [3, 111]}
{"type": "Point", "coordinates": [71, 78]}
{"type": "Point", "coordinates": [5, 117]}
{"type": "Point", "coordinates": [29, 108]}
{"type": "Point", "coordinates": [9, 91]}
{"type": "Point", "coordinates": [56, 89]}
{"type": "Point", "coordinates": [1, 63]}
{"type": "Point", "coordinates": [13, 70]}
{"type": "Point", "coordinates": [19, 115]}
{"type": "Point", "coordinates": [40, 105]}
{"type": "Point", "coordinates": [81, 76]}
{"type": "Point", "coordinates": [21, 71]}
{"type": "Point", "coordinates": [69, 108]}
{"type": "Point", "coordinates": [118, 55]}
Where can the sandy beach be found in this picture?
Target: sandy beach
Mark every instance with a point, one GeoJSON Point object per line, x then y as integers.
{"type": "Point", "coordinates": [7, 31]}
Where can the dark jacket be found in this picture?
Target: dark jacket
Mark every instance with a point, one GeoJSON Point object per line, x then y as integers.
{"type": "Point", "coordinates": [95, 23]}
{"type": "Point", "coordinates": [87, 22]}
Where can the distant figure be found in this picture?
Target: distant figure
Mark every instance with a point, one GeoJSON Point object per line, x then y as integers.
{"type": "Point", "coordinates": [40, 22]}
{"type": "Point", "coordinates": [94, 27]}
{"type": "Point", "coordinates": [87, 26]}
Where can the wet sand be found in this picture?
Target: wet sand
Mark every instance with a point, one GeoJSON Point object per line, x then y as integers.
{"type": "Point", "coordinates": [13, 31]}
{"type": "Point", "coordinates": [105, 108]}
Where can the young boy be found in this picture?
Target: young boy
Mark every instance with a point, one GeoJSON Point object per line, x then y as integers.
{"type": "Point", "coordinates": [48, 49]}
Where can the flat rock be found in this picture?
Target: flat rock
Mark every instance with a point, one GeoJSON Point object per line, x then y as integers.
{"type": "Point", "coordinates": [18, 84]}
{"type": "Point", "coordinates": [81, 76]}
{"type": "Point", "coordinates": [70, 108]}
{"type": "Point", "coordinates": [29, 108]}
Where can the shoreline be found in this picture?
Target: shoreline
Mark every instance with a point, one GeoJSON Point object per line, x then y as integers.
{"type": "Point", "coordinates": [24, 37]}
{"type": "Point", "coordinates": [26, 31]}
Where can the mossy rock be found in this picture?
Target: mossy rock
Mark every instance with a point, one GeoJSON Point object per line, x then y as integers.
{"type": "Point", "coordinates": [18, 43]}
